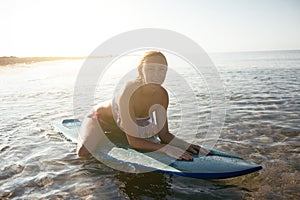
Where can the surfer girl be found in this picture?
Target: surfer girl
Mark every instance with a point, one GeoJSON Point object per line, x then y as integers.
{"type": "Point", "coordinates": [138, 115]}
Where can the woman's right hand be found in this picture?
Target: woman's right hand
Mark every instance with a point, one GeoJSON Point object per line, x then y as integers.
{"type": "Point", "coordinates": [176, 153]}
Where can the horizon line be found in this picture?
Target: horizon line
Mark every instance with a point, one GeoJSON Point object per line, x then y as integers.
{"type": "Point", "coordinates": [86, 56]}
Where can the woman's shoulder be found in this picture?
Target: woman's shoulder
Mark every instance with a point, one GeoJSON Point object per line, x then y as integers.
{"type": "Point", "coordinates": [129, 88]}
{"type": "Point", "coordinates": [131, 84]}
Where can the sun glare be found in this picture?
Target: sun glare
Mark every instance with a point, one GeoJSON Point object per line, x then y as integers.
{"type": "Point", "coordinates": [76, 28]}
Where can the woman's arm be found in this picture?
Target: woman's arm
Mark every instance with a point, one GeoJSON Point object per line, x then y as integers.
{"type": "Point", "coordinates": [165, 135]}
{"type": "Point", "coordinates": [168, 138]}
{"type": "Point", "coordinates": [145, 145]}
{"type": "Point", "coordinates": [126, 109]}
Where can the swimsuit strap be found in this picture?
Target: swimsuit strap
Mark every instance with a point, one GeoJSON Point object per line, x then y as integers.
{"type": "Point", "coordinates": [143, 121]}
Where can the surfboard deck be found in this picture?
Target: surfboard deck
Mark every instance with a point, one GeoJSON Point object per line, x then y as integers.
{"type": "Point", "coordinates": [217, 166]}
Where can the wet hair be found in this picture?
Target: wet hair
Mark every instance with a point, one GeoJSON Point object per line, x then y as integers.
{"type": "Point", "coordinates": [147, 55]}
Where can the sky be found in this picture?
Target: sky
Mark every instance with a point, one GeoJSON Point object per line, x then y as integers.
{"type": "Point", "coordinates": [77, 27]}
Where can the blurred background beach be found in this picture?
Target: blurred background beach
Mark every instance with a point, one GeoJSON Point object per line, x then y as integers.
{"type": "Point", "coordinates": [254, 45]}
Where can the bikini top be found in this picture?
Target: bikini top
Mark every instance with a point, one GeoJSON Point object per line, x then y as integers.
{"type": "Point", "coordinates": [147, 126]}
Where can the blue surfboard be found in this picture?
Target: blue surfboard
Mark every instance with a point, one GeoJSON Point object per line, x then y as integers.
{"type": "Point", "coordinates": [219, 165]}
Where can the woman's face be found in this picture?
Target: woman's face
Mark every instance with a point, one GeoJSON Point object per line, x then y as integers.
{"type": "Point", "coordinates": [154, 70]}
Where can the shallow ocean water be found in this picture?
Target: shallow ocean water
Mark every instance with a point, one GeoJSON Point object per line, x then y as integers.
{"type": "Point", "coordinates": [262, 125]}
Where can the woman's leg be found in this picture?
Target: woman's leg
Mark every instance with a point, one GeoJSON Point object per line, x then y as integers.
{"type": "Point", "coordinates": [90, 136]}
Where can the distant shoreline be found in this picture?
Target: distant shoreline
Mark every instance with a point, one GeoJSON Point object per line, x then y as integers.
{"type": "Point", "coordinates": [11, 60]}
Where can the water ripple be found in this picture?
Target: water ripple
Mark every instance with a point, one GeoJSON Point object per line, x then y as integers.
{"type": "Point", "coordinates": [262, 125]}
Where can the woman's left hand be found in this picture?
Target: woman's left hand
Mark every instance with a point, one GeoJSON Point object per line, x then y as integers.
{"type": "Point", "coordinates": [195, 149]}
